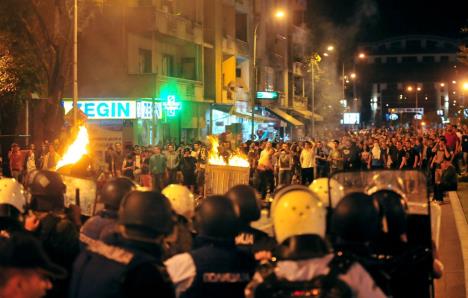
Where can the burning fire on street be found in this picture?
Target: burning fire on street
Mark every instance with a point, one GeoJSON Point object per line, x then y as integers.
{"type": "Point", "coordinates": [76, 150]}
{"type": "Point", "coordinates": [235, 159]}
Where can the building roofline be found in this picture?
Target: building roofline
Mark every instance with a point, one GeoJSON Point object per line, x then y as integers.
{"type": "Point", "coordinates": [411, 36]}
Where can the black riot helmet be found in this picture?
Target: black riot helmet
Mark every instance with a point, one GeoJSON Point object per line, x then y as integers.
{"type": "Point", "coordinates": [355, 218]}
{"type": "Point", "coordinates": [145, 216]}
{"type": "Point", "coordinates": [394, 211]}
{"type": "Point", "coordinates": [215, 218]}
{"type": "Point", "coordinates": [115, 190]}
{"type": "Point", "coordinates": [47, 191]}
{"type": "Point", "coordinates": [246, 204]}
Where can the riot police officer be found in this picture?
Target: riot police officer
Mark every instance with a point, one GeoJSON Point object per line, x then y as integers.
{"type": "Point", "coordinates": [408, 264]}
{"type": "Point", "coordinates": [56, 228]}
{"type": "Point", "coordinates": [183, 203]}
{"type": "Point", "coordinates": [247, 206]}
{"type": "Point", "coordinates": [128, 263]}
{"type": "Point", "coordinates": [305, 264]}
{"type": "Point", "coordinates": [12, 205]}
{"type": "Point", "coordinates": [217, 268]}
{"type": "Point", "coordinates": [112, 194]}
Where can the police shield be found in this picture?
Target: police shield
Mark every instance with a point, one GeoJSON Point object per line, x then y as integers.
{"type": "Point", "coordinates": [410, 185]}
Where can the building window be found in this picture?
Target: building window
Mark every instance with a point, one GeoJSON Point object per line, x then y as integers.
{"type": "Point", "coordinates": [395, 45]}
{"type": "Point", "coordinates": [431, 44]}
{"type": "Point", "coordinates": [145, 61]}
{"type": "Point", "coordinates": [145, 2]}
{"type": "Point", "coordinates": [167, 68]}
{"type": "Point", "coordinates": [241, 26]}
{"type": "Point", "coordinates": [428, 59]}
{"type": "Point", "coordinates": [409, 59]}
{"type": "Point", "coordinates": [392, 60]}
{"type": "Point", "coordinates": [444, 58]}
{"type": "Point", "coordinates": [413, 44]}
{"type": "Point", "coordinates": [238, 72]}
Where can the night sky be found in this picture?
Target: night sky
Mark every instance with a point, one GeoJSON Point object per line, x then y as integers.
{"type": "Point", "coordinates": [376, 19]}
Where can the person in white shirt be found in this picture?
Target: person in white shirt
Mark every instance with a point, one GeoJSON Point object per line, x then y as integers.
{"type": "Point", "coordinates": [307, 160]}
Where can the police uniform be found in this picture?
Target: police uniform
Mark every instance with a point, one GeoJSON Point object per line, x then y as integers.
{"type": "Point", "coordinates": [99, 225]}
{"type": "Point", "coordinates": [252, 240]}
{"type": "Point", "coordinates": [299, 221]}
{"type": "Point", "coordinates": [119, 268]}
{"type": "Point", "coordinates": [356, 277]}
{"type": "Point", "coordinates": [216, 269]}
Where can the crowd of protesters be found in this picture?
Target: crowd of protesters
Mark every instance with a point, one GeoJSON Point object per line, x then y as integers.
{"type": "Point", "coordinates": [442, 154]}
{"type": "Point", "coordinates": [156, 243]}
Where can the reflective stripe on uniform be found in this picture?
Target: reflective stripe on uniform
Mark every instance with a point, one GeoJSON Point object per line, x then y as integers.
{"type": "Point", "coordinates": [110, 252]}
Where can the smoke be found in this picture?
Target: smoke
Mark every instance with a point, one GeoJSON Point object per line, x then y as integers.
{"type": "Point", "coordinates": [339, 23]}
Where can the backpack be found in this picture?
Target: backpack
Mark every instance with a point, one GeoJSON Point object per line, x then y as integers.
{"type": "Point", "coordinates": [321, 286]}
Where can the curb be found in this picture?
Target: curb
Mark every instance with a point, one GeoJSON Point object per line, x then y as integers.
{"type": "Point", "coordinates": [462, 229]}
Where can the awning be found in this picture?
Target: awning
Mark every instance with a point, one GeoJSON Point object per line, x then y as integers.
{"type": "Point", "coordinates": [285, 116]}
{"type": "Point", "coordinates": [257, 118]}
{"type": "Point", "coordinates": [226, 108]}
{"type": "Point", "coordinates": [309, 115]}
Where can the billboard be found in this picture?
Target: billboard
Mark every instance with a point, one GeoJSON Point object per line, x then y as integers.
{"type": "Point", "coordinates": [351, 118]}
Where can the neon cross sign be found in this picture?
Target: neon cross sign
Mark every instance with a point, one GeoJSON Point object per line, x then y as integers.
{"type": "Point", "coordinates": [171, 105]}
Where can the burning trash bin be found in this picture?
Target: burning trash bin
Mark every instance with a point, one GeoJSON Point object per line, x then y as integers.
{"type": "Point", "coordinates": [224, 169]}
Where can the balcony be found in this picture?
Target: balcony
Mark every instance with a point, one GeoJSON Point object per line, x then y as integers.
{"type": "Point", "coordinates": [145, 19]}
{"type": "Point", "coordinates": [178, 27]}
{"type": "Point", "coordinates": [229, 45]}
{"type": "Point", "coordinates": [187, 89]}
{"type": "Point", "coordinates": [298, 69]}
{"type": "Point", "coordinates": [242, 48]}
{"type": "Point", "coordinates": [300, 102]}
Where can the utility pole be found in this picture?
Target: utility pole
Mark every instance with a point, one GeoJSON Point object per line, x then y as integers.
{"type": "Point", "coordinates": [312, 78]}
{"type": "Point", "coordinates": [75, 63]}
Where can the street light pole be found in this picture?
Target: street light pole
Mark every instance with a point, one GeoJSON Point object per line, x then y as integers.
{"type": "Point", "coordinates": [254, 87]}
{"type": "Point", "coordinates": [312, 77]}
{"type": "Point", "coordinates": [75, 63]}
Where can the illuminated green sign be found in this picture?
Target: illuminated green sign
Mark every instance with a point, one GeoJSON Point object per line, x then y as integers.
{"type": "Point", "coordinates": [267, 95]}
{"type": "Point", "coordinates": [171, 105]}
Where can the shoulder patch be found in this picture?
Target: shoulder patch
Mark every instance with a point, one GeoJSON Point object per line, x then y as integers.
{"type": "Point", "coordinates": [110, 252]}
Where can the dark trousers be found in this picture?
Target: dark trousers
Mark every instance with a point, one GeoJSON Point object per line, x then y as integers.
{"type": "Point", "coordinates": [307, 176]}
{"type": "Point", "coordinates": [172, 179]}
{"type": "Point", "coordinates": [267, 182]}
{"type": "Point", "coordinates": [158, 181]}
{"type": "Point", "coordinates": [284, 177]}
{"type": "Point", "coordinates": [440, 189]}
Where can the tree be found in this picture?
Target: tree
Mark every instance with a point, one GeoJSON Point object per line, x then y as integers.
{"type": "Point", "coordinates": [46, 28]}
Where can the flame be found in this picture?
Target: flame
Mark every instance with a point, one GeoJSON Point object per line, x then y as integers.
{"type": "Point", "coordinates": [76, 150]}
{"type": "Point", "coordinates": [236, 159]}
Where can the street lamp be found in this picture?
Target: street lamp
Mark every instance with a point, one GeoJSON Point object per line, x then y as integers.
{"type": "Point", "coordinates": [279, 14]}
{"type": "Point", "coordinates": [362, 56]}
{"type": "Point", "coordinates": [410, 89]}
{"type": "Point", "coordinates": [330, 48]}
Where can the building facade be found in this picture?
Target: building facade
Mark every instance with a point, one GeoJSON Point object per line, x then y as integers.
{"type": "Point", "coordinates": [187, 69]}
{"type": "Point", "coordinates": [399, 75]}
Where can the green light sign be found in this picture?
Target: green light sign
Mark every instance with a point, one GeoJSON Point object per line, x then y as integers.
{"type": "Point", "coordinates": [267, 95]}
{"type": "Point", "coordinates": [171, 105]}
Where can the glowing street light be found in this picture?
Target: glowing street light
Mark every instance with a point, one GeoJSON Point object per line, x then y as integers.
{"type": "Point", "coordinates": [280, 14]}
{"type": "Point", "coordinates": [442, 84]}
{"type": "Point", "coordinates": [330, 48]}
{"type": "Point", "coordinates": [465, 86]}
{"type": "Point", "coordinates": [454, 82]}
{"type": "Point", "coordinates": [409, 88]}
{"type": "Point", "coordinates": [418, 89]}
{"type": "Point", "coordinates": [362, 56]}
{"type": "Point", "coordinates": [353, 76]}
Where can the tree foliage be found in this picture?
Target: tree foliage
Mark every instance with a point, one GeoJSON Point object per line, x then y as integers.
{"type": "Point", "coordinates": [40, 33]}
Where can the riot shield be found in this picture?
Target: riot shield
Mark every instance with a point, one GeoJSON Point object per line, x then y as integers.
{"type": "Point", "coordinates": [413, 260]}
{"type": "Point", "coordinates": [87, 194]}
{"type": "Point", "coordinates": [410, 184]}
